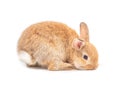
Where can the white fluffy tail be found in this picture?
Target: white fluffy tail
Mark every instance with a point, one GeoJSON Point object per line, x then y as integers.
{"type": "Point", "coordinates": [25, 57]}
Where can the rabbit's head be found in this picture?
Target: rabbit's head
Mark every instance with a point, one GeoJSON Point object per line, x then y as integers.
{"type": "Point", "coordinates": [86, 55]}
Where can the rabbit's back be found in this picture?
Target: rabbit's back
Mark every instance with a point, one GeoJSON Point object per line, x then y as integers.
{"type": "Point", "coordinates": [47, 40]}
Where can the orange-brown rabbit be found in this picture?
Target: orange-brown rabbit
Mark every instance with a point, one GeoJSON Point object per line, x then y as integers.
{"type": "Point", "coordinates": [55, 46]}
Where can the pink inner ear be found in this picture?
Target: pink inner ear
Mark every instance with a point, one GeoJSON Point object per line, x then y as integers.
{"type": "Point", "coordinates": [79, 44]}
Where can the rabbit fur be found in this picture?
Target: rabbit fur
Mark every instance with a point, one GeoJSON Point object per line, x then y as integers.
{"type": "Point", "coordinates": [55, 46]}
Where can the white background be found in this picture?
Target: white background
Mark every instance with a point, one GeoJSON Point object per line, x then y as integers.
{"type": "Point", "coordinates": [103, 19]}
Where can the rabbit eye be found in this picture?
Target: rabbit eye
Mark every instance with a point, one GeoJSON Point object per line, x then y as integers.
{"type": "Point", "coordinates": [85, 57]}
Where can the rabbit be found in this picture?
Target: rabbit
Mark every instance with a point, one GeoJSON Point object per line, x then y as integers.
{"type": "Point", "coordinates": [55, 46]}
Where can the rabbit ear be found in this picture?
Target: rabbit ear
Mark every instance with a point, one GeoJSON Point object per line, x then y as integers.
{"type": "Point", "coordinates": [84, 32]}
{"type": "Point", "coordinates": [77, 44]}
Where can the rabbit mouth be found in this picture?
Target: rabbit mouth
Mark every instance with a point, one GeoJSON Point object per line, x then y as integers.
{"type": "Point", "coordinates": [84, 67]}
{"type": "Point", "coordinates": [88, 67]}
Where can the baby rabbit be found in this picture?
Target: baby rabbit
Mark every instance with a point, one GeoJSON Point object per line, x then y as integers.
{"type": "Point", "coordinates": [55, 46]}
